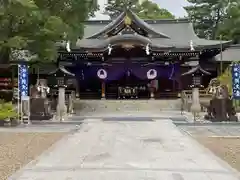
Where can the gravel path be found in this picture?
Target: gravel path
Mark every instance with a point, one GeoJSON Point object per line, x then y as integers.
{"type": "Point", "coordinates": [226, 148]}
{"type": "Point", "coordinates": [18, 149]}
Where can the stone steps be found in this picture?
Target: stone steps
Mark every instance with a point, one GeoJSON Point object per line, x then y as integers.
{"type": "Point", "coordinates": [126, 106]}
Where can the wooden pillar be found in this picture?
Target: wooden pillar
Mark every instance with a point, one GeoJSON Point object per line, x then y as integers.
{"type": "Point", "coordinates": [152, 89]}
{"type": "Point", "coordinates": [179, 81]}
{"type": "Point", "coordinates": [13, 76]}
{"type": "Point", "coordinates": [103, 95]}
{"type": "Point", "coordinates": [77, 89]}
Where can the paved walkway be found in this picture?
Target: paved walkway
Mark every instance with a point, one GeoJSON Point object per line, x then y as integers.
{"type": "Point", "coordinates": [129, 150]}
{"type": "Point", "coordinates": [225, 130]}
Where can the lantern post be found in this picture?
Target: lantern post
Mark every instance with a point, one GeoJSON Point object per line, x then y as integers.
{"type": "Point", "coordinates": [61, 76]}
{"type": "Point", "coordinates": [197, 72]}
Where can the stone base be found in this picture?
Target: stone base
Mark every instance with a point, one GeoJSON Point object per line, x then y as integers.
{"type": "Point", "coordinates": [40, 117]}
{"type": "Point", "coordinates": [61, 113]}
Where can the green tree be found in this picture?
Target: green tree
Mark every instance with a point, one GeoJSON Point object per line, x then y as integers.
{"type": "Point", "coordinates": [36, 25]}
{"type": "Point", "coordinates": [230, 28]}
{"type": "Point", "coordinates": [116, 7]}
{"type": "Point", "coordinates": [226, 78]}
{"type": "Point", "coordinates": [207, 16]}
{"type": "Point", "coordinates": [150, 10]}
{"type": "Point", "coordinates": [145, 10]}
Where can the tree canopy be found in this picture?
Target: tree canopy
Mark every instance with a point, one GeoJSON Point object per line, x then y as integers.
{"type": "Point", "coordinates": [230, 27]}
{"type": "Point", "coordinates": [145, 10]}
{"type": "Point", "coordinates": [36, 25]}
{"type": "Point", "coordinates": [206, 16]}
{"type": "Point", "coordinates": [214, 19]}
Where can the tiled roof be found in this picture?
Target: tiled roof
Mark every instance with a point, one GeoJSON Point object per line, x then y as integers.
{"type": "Point", "coordinates": [230, 54]}
{"type": "Point", "coordinates": [172, 33]}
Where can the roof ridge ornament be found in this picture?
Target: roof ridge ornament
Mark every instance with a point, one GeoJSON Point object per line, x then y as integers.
{"type": "Point", "coordinates": [127, 20]}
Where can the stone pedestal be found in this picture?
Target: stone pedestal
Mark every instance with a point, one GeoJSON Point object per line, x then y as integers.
{"type": "Point", "coordinates": [196, 107]}
{"type": "Point", "coordinates": [61, 107]}
{"type": "Point", "coordinates": [40, 109]}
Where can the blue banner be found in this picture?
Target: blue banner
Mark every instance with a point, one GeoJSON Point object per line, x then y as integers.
{"type": "Point", "coordinates": [236, 81]}
{"type": "Point", "coordinates": [23, 80]}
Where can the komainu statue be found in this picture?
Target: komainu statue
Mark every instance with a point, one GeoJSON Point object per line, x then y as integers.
{"type": "Point", "coordinates": [220, 108]}
{"type": "Point", "coordinates": [213, 86]}
{"type": "Point", "coordinates": [40, 106]}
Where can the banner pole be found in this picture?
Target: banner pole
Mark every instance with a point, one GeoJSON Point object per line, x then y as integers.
{"type": "Point", "coordinates": [18, 100]}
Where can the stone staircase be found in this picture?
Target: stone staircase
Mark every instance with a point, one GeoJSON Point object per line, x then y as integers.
{"type": "Point", "coordinates": [84, 107]}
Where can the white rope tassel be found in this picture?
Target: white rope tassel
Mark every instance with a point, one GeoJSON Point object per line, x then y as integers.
{"type": "Point", "coordinates": [191, 46]}
{"type": "Point", "coordinates": [147, 49]}
{"type": "Point", "coordinates": [109, 49]}
{"type": "Point", "coordinates": [68, 46]}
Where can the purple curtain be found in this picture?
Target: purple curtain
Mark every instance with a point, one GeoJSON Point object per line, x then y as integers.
{"type": "Point", "coordinates": [169, 71]}
{"type": "Point", "coordinates": [139, 71]}
{"type": "Point", "coordinates": [115, 72]}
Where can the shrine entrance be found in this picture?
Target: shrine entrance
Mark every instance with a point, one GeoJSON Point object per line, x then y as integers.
{"type": "Point", "coordinates": [128, 87]}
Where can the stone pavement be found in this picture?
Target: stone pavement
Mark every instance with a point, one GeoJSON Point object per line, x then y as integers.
{"type": "Point", "coordinates": [47, 127]}
{"type": "Point", "coordinates": [224, 130]}
{"type": "Point", "coordinates": [134, 150]}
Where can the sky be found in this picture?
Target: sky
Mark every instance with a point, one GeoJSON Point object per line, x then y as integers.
{"type": "Point", "coordinates": [174, 6]}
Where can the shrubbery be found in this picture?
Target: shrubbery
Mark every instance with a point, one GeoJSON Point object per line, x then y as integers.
{"type": "Point", "coordinates": [7, 111]}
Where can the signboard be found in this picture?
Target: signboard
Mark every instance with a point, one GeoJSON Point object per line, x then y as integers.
{"type": "Point", "coordinates": [23, 80]}
{"type": "Point", "coordinates": [25, 98]}
{"type": "Point", "coordinates": [23, 90]}
{"type": "Point", "coordinates": [236, 81]}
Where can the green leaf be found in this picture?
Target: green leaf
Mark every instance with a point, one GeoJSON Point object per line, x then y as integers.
{"type": "Point", "coordinates": [145, 10]}
{"type": "Point", "coordinates": [36, 25]}
{"type": "Point", "coordinates": [27, 3]}
{"type": "Point", "coordinates": [17, 42]}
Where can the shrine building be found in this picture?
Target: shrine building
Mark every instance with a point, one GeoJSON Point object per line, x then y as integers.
{"type": "Point", "coordinates": [134, 58]}
{"type": "Point", "coordinates": [137, 55]}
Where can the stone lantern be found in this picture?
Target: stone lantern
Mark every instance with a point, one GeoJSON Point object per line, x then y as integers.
{"type": "Point", "coordinates": [196, 72]}
{"type": "Point", "coordinates": [61, 75]}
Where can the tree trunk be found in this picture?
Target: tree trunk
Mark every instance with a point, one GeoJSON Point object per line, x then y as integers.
{"type": "Point", "coordinates": [5, 55]}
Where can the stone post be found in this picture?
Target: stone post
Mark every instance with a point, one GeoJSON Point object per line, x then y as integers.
{"type": "Point", "coordinates": [103, 90]}
{"type": "Point", "coordinates": [196, 107]}
{"type": "Point", "coordinates": [61, 107]}
{"type": "Point", "coordinates": [70, 104]}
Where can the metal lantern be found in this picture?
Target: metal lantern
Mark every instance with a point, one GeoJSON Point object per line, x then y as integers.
{"type": "Point", "coordinates": [61, 81]}
{"type": "Point", "coordinates": [61, 76]}
{"type": "Point", "coordinates": [197, 72]}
